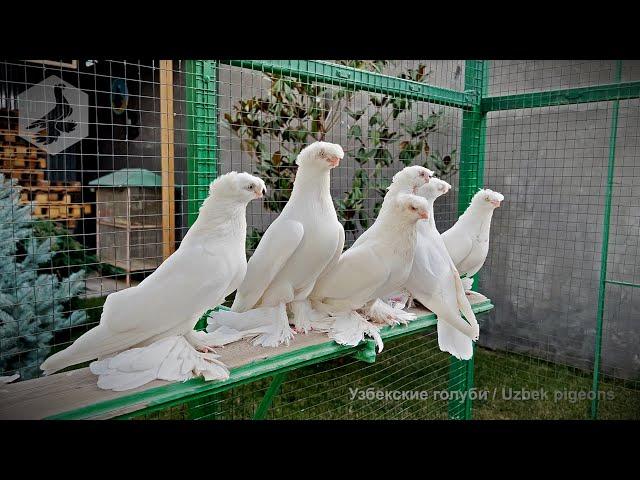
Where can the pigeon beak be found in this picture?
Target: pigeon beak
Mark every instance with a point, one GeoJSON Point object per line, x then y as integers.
{"type": "Point", "coordinates": [334, 161]}
{"type": "Point", "coordinates": [261, 193]}
{"type": "Point", "coordinates": [424, 215]}
{"type": "Point", "coordinates": [496, 203]}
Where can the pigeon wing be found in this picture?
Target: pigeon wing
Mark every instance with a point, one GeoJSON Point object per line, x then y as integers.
{"type": "Point", "coordinates": [458, 244]}
{"type": "Point", "coordinates": [336, 255]}
{"type": "Point", "coordinates": [276, 247]}
{"type": "Point", "coordinates": [358, 275]}
{"type": "Point", "coordinates": [188, 279]}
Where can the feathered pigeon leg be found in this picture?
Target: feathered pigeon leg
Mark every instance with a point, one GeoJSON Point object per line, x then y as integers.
{"type": "Point", "coordinates": [172, 359]}
{"type": "Point", "coordinates": [279, 331]}
{"type": "Point", "coordinates": [381, 312]}
{"type": "Point", "coordinates": [467, 284]}
{"type": "Point", "coordinates": [225, 327]}
{"type": "Point", "coordinates": [304, 316]}
{"type": "Point", "coordinates": [350, 329]}
{"type": "Point", "coordinates": [198, 340]}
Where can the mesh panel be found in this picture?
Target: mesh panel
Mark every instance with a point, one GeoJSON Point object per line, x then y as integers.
{"type": "Point", "coordinates": [344, 388]}
{"type": "Point", "coordinates": [543, 270]}
{"type": "Point", "coordinates": [186, 122]}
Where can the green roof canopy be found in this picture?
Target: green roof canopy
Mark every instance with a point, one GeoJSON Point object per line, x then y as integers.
{"type": "Point", "coordinates": [129, 177]}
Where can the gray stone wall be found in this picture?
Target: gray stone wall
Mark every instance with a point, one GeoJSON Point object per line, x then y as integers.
{"type": "Point", "coordinates": [544, 263]}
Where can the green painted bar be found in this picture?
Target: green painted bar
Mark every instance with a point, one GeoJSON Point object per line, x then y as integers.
{"type": "Point", "coordinates": [347, 77]}
{"type": "Point", "coordinates": [472, 150]}
{"type": "Point", "coordinates": [166, 396]}
{"type": "Point", "coordinates": [202, 125]}
{"type": "Point", "coordinates": [570, 96]}
{"type": "Point", "coordinates": [263, 408]}
{"type": "Point", "coordinates": [626, 284]}
{"type": "Point", "coordinates": [604, 253]}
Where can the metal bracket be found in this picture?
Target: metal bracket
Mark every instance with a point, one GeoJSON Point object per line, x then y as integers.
{"type": "Point", "coordinates": [367, 353]}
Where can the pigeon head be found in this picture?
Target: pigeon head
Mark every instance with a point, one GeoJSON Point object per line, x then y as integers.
{"type": "Point", "coordinates": [487, 199]}
{"type": "Point", "coordinates": [412, 207]}
{"type": "Point", "coordinates": [435, 188]}
{"type": "Point", "coordinates": [410, 179]}
{"type": "Point", "coordinates": [321, 155]}
{"type": "Point", "coordinates": [240, 186]}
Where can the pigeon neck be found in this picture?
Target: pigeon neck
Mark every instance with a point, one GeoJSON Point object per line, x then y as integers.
{"type": "Point", "coordinates": [220, 217]}
{"type": "Point", "coordinates": [431, 221]}
{"type": "Point", "coordinates": [393, 191]}
{"type": "Point", "coordinates": [311, 182]}
{"type": "Point", "coordinates": [477, 216]}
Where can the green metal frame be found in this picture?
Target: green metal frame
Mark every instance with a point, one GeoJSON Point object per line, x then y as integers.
{"type": "Point", "coordinates": [570, 96]}
{"type": "Point", "coordinates": [472, 151]}
{"type": "Point", "coordinates": [166, 396]}
{"type": "Point", "coordinates": [604, 254]}
{"type": "Point", "coordinates": [263, 408]}
{"type": "Point", "coordinates": [475, 103]}
{"type": "Point", "coordinates": [614, 93]}
{"type": "Point", "coordinates": [330, 73]}
{"type": "Point", "coordinates": [202, 128]}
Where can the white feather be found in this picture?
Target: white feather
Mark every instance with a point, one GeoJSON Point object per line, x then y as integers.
{"type": "Point", "coordinates": [435, 283]}
{"type": "Point", "coordinates": [293, 253]}
{"type": "Point", "coordinates": [172, 359]}
{"type": "Point", "coordinates": [209, 265]}
{"type": "Point", "coordinates": [382, 312]}
{"type": "Point", "coordinates": [407, 181]}
{"type": "Point", "coordinates": [371, 268]}
{"type": "Point", "coordinates": [468, 240]}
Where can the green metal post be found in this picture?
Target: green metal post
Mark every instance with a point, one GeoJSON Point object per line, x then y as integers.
{"type": "Point", "coordinates": [472, 151]}
{"type": "Point", "coordinates": [604, 253]}
{"type": "Point", "coordinates": [277, 381]}
{"type": "Point", "coordinates": [202, 126]}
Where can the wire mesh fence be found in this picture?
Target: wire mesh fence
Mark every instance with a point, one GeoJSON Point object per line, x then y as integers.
{"type": "Point", "coordinates": [544, 269]}
{"type": "Point", "coordinates": [409, 380]}
{"type": "Point", "coordinates": [110, 160]}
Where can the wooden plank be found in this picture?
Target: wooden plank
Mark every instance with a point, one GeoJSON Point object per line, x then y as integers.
{"type": "Point", "coordinates": [50, 188]}
{"type": "Point", "coordinates": [167, 154]}
{"type": "Point", "coordinates": [21, 161]}
{"type": "Point", "coordinates": [77, 389]}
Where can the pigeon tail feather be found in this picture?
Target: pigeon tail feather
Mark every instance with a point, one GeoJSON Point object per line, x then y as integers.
{"type": "Point", "coordinates": [95, 343]}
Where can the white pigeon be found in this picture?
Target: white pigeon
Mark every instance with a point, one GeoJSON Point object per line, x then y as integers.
{"type": "Point", "coordinates": [295, 250]}
{"type": "Point", "coordinates": [372, 268]}
{"type": "Point", "coordinates": [407, 180]}
{"type": "Point", "coordinates": [164, 308]}
{"type": "Point", "coordinates": [435, 282]}
{"type": "Point", "coordinates": [468, 240]}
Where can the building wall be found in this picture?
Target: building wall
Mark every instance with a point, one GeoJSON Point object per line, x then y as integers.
{"type": "Point", "coordinates": [544, 263]}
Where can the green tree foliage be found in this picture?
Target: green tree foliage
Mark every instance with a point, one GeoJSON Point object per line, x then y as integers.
{"type": "Point", "coordinates": [33, 300]}
{"type": "Point", "coordinates": [275, 127]}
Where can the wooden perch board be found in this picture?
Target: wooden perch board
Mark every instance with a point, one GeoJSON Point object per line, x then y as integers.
{"type": "Point", "coordinates": [75, 395]}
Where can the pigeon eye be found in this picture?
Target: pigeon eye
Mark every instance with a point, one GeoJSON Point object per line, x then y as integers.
{"type": "Point", "coordinates": [250, 187]}
{"type": "Point", "coordinates": [412, 207]}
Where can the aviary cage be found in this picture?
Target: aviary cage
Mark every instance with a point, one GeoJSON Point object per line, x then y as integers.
{"type": "Point", "coordinates": [558, 138]}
